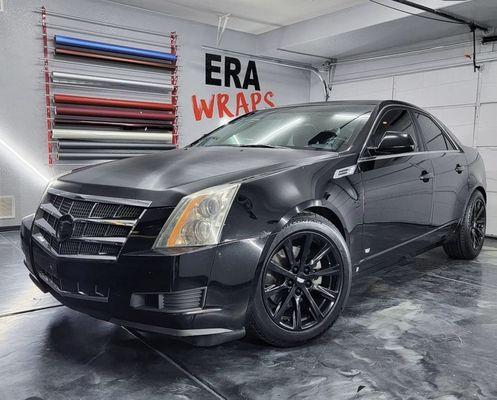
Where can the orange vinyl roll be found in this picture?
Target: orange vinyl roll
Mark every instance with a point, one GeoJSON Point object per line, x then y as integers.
{"type": "Point", "coordinates": [99, 101]}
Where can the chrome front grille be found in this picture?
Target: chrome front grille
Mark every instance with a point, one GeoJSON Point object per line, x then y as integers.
{"type": "Point", "coordinates": [100, 225]}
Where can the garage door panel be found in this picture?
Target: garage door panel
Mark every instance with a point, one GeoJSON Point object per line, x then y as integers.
{"type": "Point", "coordinates": [489, 156]}
{"type": "Point", "coordinates": [375, 89]}
{"type": "Point", "coordinates": [488, 91]}
{"type": "Point", "coordinates": [460, 121]}
{"type": "Point", "coordinates": [492, 214]}
{"type": "Point", "coordinates": [487, 125]}
{"type": "Point", "coordinates": [452, 86]}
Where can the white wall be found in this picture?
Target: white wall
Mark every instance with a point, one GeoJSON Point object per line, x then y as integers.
{"type": "Point", "coordinates": [23, 144]}
{"type": "Point", "coordinates": [444, 83]}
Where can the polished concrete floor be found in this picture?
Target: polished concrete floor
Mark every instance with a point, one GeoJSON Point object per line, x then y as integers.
{"type": "Point", "coordinates": [423, 330]}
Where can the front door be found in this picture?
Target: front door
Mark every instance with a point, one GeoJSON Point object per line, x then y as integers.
{"type": "Point", "coordinates": [398, 191]}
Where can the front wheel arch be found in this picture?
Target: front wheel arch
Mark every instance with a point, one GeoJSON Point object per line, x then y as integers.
{"type": "Point", "coordinates": [330, 216]}
{"type": "Point", "coordinates": [331, 230]}
{"type": "Point", "coordinates": [318, 207]}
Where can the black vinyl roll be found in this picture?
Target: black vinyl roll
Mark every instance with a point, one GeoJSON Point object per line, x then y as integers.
{"type": "Point", "coordinates": [79, 144]}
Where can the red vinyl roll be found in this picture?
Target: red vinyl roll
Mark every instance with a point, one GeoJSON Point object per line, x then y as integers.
{"type": "Point", "coordinates": [111, 112]}
{"type": "Point", "coordinates": [104, 56]}
{"type": "Point", "coordinates": [99, 101]}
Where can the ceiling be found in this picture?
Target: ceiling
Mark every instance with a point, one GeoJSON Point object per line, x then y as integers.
{"type": "Point", "coordinates": [300, 30]}
{"type": "Point", "coordinates": [372, 29]}
{"type": "Point", "coordinates": [250, 16]}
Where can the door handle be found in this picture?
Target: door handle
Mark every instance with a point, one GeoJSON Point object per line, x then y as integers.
{"type": "Point", "coordinates": [426, 176]}
{"type": "Point", "coordinates": [459, 168]}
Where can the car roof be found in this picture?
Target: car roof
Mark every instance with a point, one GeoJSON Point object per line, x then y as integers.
{"type": "Point", "coordinates": [381, 103]}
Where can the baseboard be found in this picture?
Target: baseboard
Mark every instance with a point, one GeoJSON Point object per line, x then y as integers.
{"type": "Point", "coordinates": [10, 228]}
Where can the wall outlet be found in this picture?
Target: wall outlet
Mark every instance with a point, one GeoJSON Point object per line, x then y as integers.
{"type": "Point", "coordinates": [7, 207]}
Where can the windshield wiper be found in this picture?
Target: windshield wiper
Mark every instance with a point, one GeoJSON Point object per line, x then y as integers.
{"type": "Point", "coordinates": [262, 146]}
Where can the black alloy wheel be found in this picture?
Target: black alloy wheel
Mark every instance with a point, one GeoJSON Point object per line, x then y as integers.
{"type": "Point", "coordinates": [302, 281]}
{"type": "Point", "coordinates": [478, 222]}
{"type": "Point", "coordinates": [467, 240]}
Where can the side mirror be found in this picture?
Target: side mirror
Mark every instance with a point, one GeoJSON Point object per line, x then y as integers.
{"type": "Point", "coordinates": [393, 142]}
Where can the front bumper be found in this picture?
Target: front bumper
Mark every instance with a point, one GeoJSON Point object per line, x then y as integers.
{"type": "Point", "coordinates": [200, 293]}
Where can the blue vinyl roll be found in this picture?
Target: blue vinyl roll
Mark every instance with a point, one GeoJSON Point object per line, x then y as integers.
{"type": "Point", "coordinates": [88, 44]}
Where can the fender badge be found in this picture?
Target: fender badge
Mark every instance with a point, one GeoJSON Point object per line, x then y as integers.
{"type": "Point", "coordinates": [347, 171]}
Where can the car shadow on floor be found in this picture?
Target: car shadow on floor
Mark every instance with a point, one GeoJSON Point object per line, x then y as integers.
{"type": "Point", "coordinates": [425, 329]}
{"type": "Point", "coordinates": [419, 330]}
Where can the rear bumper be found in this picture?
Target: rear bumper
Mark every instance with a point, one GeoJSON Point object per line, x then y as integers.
{"type": "Point", "coordinates": [202, 293]}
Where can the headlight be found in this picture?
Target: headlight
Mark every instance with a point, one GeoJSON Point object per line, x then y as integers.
{"type": "Point", "coordinates": [198, 219]}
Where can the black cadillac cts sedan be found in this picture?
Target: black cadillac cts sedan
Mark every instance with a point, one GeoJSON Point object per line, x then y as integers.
{"type": "Point", "coordinates": [260, 225]}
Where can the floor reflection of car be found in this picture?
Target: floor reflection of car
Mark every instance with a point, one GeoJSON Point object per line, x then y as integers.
{"type": "Point", "coordinates": [260, 225]}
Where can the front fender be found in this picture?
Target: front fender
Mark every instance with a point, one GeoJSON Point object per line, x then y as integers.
{"type": "Point", "coordinates": [264, 205]}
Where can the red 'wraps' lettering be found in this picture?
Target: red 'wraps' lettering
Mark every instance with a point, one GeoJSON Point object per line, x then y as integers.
{"type": "Point", "coordinates": [255, 99]}
{"type": "Point", "coordinates": [241, 103]}
{"type": "Point", "coordinates": [267, 96]}
{"type": "Point", "coordinates": [203, 108]}
{"type": "Point", "coordinates": [230, 106]}
{"type": "Point", "coordinates": [222, 101]}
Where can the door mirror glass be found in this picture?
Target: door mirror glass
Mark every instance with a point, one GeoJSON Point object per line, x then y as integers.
{"type": "Point", "coordinates": [393, 142]}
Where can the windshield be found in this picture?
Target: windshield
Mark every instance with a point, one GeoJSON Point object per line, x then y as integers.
{"type": "Point", "coordinates": [329, 127]}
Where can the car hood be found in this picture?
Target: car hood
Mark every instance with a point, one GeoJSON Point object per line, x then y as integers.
{"type": "Point", "coordinates": [183, 171]}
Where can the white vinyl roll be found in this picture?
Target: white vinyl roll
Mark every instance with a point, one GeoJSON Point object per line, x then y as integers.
{"type": "Point", "coordinates": [80, 134]}
{"type": "Point", "coordinates": [93, 80]}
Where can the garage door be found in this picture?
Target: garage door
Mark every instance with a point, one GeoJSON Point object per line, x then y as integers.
{"type": "Point", "coordinates": [451, 94]}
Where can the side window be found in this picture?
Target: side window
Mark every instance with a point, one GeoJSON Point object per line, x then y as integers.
{"type": "Point", "coordinates": [394, 120]}
{"type": "Point", "coordinates": [432, 135]}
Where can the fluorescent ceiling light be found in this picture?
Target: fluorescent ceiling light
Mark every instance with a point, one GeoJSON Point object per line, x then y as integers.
{"type": "Point", "coordinates": [12, 152]}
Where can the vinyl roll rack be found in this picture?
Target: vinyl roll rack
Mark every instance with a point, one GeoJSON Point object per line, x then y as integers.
{"type": "Point", "coordinates": [111, 91]}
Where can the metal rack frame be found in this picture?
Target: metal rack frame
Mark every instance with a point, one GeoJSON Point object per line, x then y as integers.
{"type": "Point", "coordinates": [172, 76]}
{"type": "Point", "coordinates": [46, 74]}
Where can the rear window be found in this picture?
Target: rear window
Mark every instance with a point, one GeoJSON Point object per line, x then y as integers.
{"type": "Point", "coordinates": [433, 137]}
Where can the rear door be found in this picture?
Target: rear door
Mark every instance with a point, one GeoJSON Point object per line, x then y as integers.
{"type": "Point", "coordinates": [398, 190]}
{"type": "Point", "coordinates": [450, 168]}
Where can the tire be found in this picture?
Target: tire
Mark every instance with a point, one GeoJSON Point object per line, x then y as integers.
{"type": "Point", "coordinates": [468, 239]}
{"type": "Point", "coordinates": [326, 278]}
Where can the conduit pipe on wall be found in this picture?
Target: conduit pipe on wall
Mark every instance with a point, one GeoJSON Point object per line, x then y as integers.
{"type": "Point", "coordinates": [92, 111]}
{"type": "Point", "coordinates": [93, 80]}
{"type": "Point", "coordinates": [61, 40]}
{"type": "Point", "coordinates": [100, 101]}
{"type": "Point", "coordinates": [81, 134]}
{"type": "Point", "coordinates": [276, 61]}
